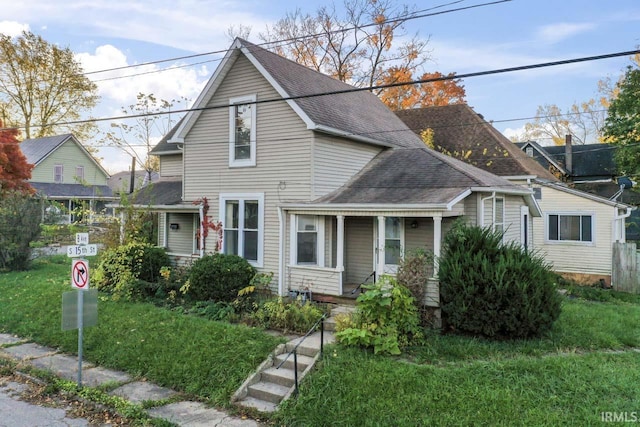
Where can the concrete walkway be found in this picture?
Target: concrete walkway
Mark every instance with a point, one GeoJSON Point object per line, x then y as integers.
{"type": "Point", "coordinates": [182, 413]}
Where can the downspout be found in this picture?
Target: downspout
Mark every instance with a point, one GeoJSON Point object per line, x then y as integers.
{"type": "Point", "coordinates": [492, 196]}
{"type": "Point", "coordinates": [281, 244]}
{"type": "Point", "coordinates": [617, 218]}
{"type": "Point", "coordinates": [201, 214]}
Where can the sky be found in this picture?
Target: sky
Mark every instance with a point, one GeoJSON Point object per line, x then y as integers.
{"type": "Point", "coordinates": [104, 34]}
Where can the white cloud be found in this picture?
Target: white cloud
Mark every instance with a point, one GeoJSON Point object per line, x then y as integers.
{"type": "Point", "coordinates": [554, 33]}
{"type": "Point", "coordinates": [514, 133]}
{"type": "Point", "coordinates": [12, 28]}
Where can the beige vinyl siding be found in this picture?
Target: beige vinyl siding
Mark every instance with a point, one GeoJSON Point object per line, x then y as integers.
{"type": "Point", "coordinates": [162, 228]}
{"type": "Point", "coordinates": [575, 257]}
{"type": "Point", "coordinates": [471, 209]}
{"type": "Point", "coordinates": [181, 241]}
{"type": "Point", "coordinates": [283, 156]}
{"type": "Point", "coordinates": [317, 280]}
{"type": "Point", "coordinates": [358, 248]}
{"type": "Point", "coordinates": [335, 161]}
{"type": "Point", "coordinates": [171, 165]}
{"type": "Point", "coordinates": [420, 237]}
{"type": "Point", "coordinates": [69, 155]}
{"type": "Point", "coordinates": [513, 218]}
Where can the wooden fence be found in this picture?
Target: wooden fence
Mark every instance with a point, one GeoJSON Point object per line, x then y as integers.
{"type": "Point", "coordinates": [625, 274]}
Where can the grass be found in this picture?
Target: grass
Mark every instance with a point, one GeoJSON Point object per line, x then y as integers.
{"type": "Point", "coordinates": [190, 354]}
{"type": "Point", "coordinates": [585, 366]}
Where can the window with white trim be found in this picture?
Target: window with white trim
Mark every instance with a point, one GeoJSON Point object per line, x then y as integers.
{"type": "Point", "coordinates": [243, 226]}
{"type": "Point", "coordinates": [58, 174]}
{"type": "Point", "coordinates": [80, 172]}
{"type": "Point", "coordinates": [307, 240]}
{"type": "Point", "coordinates": [570, 227]}
{"type": "Point", "coordinates": [242, 131]}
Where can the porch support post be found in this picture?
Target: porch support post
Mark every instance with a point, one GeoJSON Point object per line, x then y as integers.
{"type": "Point", "coordinates": [437, 242]}
{"type": "Point", "coordinates": [381, 241]}
{"type": "Point", "coordinates": [340, 248]}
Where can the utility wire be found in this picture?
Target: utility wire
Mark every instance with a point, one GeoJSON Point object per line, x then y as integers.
{"type": "Point", "coordinates": [357, 89]}
{"type": "Point", "coordinates": [284, 42]}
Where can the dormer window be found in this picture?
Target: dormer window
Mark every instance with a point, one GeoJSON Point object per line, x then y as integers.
{"type": "Point", "coordinates": [242, 131]}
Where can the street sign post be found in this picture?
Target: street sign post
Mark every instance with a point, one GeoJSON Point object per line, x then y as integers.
{"type": "Point", "coordinates": [80, 281]}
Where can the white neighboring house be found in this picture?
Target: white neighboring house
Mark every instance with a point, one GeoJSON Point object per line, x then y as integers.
{"type": "Point", "coordinates": [577, 229]}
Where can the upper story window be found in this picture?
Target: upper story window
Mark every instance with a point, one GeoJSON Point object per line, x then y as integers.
{"type": "Point", "coordinates": [58, 174]}
{"type": "Point", "coordinates": [529, 151]}
{"type": "Point", "coordinates": [242, 131]}
{"type": "Point", "coordinates": [570, 228]}
{"type": "Point", "coordinates": [80, 172]}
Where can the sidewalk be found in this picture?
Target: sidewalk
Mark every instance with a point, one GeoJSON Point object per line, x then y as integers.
{"type": "Point", "coordinates": [182, 413]}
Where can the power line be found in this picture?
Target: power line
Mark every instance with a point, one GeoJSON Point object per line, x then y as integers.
{"type": "Point", "coordinates": [284, 42]}
{"type": "Point", "coordinates": [358, 89]}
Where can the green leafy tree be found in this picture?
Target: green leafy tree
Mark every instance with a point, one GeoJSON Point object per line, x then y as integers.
{"type": "Point", "coordinates": [43, 86]}
{"type": "Point", "coordinates": [622, 126]}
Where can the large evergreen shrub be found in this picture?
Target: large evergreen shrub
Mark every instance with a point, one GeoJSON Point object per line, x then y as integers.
{"type": "Point", "coordinates": [495, 289]}
{"type": "Point", "coordinates": [20, 216]}
{"type": "Point", "coordinates": [219, 277]}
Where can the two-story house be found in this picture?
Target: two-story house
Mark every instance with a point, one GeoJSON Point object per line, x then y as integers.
{"type": "Point", "coordinates": [313, 179]}
{"type": "Point", "coordinates": [576, 230]}
{"type": "Point", "coordinates": [68, 175]}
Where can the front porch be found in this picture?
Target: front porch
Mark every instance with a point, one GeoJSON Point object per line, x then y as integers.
{"type": "Point", "coordinates": [329, 257]}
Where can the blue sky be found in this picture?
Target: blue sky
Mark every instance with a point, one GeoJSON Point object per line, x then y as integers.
{"type": "Point", "coordinates": [110, 33]}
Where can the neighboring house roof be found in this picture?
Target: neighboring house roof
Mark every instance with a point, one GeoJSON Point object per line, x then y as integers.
{"type": "Point", "coordinates": [589, 161]}
{"type": "Point", "coordinates": [462, 133]}
{"type": "Point", "coordinates": [343, 110]}
{"type": "Point", "coordinates": [62, 191]}
{"type": "Point", "coordinates": [160, 193]}
{"type": "Point", "coordinates": [166, 147]}
{"type": "Point", "coordinates": [565, 188]}
{"type": "Point", "coordinates": [37, 150]}
{"type": "Point", "coordinates": [417, 176]}
{"type": "Point", "coordinates": [119, 182]}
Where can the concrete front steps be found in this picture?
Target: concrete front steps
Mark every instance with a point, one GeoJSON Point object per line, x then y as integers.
{"type": "Point", "coordinates": [274, 380]}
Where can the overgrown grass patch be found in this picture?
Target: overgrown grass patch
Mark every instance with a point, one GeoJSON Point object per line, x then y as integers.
{"type": "Point", "coordinates": [197, 356]}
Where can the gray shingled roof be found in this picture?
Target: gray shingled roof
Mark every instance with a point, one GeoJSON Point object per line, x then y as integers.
{"type": "Point", "coordinates": [160, 193]}
{"type": "Point", "coordinates": [36, 149]}
{"type": "Point", "coordinates": [164, 146]}
{"type": "Point", "coordinates": [360, 113]}
{"type": "Point", "coordinates": [457, 129]}
{"type": "Point", "coordinates": [414, 176]}
{"type": "Point", "coordinates": [52, 190]}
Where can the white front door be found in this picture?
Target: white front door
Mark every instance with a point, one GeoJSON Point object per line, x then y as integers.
{"type": "Point", "coordinates": [393, 250]}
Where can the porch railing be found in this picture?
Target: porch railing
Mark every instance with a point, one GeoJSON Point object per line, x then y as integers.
{"type": "Point", "coordinates": [294, 351]}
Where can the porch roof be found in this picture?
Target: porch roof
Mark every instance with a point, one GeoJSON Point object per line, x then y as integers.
{"type": "Point", "coordinates": [416, 176]}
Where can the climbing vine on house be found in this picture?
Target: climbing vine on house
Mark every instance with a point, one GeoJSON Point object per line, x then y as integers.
{"type": "Point", "coordinates": [207, 224]}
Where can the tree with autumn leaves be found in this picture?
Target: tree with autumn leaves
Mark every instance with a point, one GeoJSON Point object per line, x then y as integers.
{"type": "Point", "coordinates": [15, 172]}
{"type": "Point", "coordinates": [367, 46]}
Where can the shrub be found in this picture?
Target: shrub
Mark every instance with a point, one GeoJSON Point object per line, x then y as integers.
{"type": "Point", "coordinates": [386, 318]}
{"type": "Point", "coordinates": [495, 289]}
{"type": "Point", "coordinates": [294, 316]}
{"type": "Point", "coordinates": [219, 277]}
{"type": "Point", "coordinates": [131, 270]}
{"type": "Point", "coordinates": [414, 271]}
{"type": "Point", "coordinates": [218, 310]}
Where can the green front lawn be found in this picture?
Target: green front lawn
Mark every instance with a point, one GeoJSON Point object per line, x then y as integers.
{"type": "Point", "coordinates": [585, 366]}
